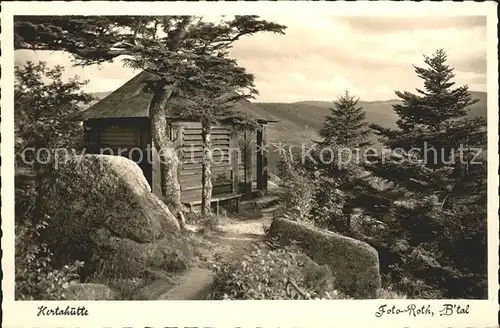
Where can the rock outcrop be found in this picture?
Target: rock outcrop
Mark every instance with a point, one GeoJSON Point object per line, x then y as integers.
{"type": "Point", "coordinates": [354, 263]}
{"type": "Point", "coordinates": [101, 210]}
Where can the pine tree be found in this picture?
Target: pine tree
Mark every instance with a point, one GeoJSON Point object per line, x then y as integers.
{"type": "Point", "coordinates": [345, 125]}
{"type": "Point", "coordinates": [177, 50]}
{"type": "Point", "coordinates": [429, 164]}
{"type": "Point", "coordinates": [433, 132]}
{"type": "Point", "coordinates": [345, 131]}
{"type": "Point", "coordinates": [211, 102]}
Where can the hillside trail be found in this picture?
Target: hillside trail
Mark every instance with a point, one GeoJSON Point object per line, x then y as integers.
{"type": "Point", "coordinates": [231, 240]}
{"type": "Point", "coordinates": [236, 235]}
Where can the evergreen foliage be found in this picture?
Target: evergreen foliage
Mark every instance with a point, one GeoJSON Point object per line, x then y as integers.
{"type": "Point", "coordinates": [422, 200]}
{"type": "Point", "coordinates": [345, 125]}
{"type": "Point", "coordinates": [188, 57]}
{"type": "Point", "coordinates": [344, 134]}
{"type": "Point", "coordinates": [442, 192]}
{"type": "Point", "coordinates": [47, 117]}
{"type": "Point", "coordinates": [430, 201]}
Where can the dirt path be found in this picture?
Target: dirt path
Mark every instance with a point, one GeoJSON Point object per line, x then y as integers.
{"type": "Point", "coordinates": [253, 229]}
{"type": "Point", "coordinates": [231, 240]}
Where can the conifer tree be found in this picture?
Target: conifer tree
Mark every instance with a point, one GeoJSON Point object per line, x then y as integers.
{"type": "Point", "coordinates": [433, 132]}
{"type": "Point", "coordinates": [211, 102]}
{"type": "Point", "coordinates": [345, 124]}
{"type": "Point", "coordinates": [345, 131]}
{"type": "Point", "coordinates": [169, 47]}
{"type": "Point", "coordinates": [443, 207]}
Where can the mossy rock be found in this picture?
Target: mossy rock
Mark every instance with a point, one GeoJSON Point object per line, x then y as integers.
{"type": "Point", "coordinates": [354, 263]}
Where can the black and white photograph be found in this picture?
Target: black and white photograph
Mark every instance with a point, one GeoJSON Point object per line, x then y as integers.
{"type": "Point", "coordinates": [251, 156]}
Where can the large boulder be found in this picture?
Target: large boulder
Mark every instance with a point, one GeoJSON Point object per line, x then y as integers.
{"type": "Point", "coordinates": [100, 208]}
{"type": "Point", "coordinates": [124, 258]}
{"type": "Point", "coordinates": [112, 192]}
{"type": "Point", "coordinates": [354, 263]}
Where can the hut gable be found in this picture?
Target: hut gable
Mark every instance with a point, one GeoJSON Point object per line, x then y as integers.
{"type": "Point", "coordinates": [120, 122]}
{"type": "Point", "coordinates": [132, 101]}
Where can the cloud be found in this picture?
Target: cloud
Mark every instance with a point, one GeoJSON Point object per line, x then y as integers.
{"type": "Point", "coordinates": [321, 56]}
{"type": "Point", "coordinates": [106, 77]}
{"type": "Point", "coordinates": [475, 63]}
{"type": "Point", "coordinates": [378, 25]}
{"type": "Point", "coordinates": [335, 47]}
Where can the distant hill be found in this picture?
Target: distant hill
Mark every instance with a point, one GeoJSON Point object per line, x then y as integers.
{"type": "Point", "coordinates": [299, 122]}
{"type": "Point", "coordinates": [311, 114]}
{"type": "Point", "coordinates": [306, 115]}
{"type": "Point", "coordinates": [480, 108]}
{"type": "Point", "coordinates": [101, 95]}
{"type": "Point", "coordinates": [98, 96]}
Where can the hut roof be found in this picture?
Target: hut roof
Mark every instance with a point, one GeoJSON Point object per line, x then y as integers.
{"type": "Point", "coordinates": [132, 100]}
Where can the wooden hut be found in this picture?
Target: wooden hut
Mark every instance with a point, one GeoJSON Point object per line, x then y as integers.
{"type": "Point", "coordinates": [119, 124]}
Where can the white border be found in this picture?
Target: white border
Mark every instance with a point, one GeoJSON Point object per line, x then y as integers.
{"type": "Point", "coordinates": [242, 313]}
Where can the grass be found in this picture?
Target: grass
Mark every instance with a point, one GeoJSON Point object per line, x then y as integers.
{"type": "Point", "coordinates": [388, 293]}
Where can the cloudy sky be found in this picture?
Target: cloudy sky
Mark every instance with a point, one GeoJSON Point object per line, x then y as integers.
{"type": "Point", "coordinates": [321, 57]}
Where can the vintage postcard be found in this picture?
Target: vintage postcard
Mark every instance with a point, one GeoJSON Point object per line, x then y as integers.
{"type": "Point", "coordinates": [249, 164]}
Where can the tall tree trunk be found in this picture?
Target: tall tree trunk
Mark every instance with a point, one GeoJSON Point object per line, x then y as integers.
{"type": "Point", "coordinates": [169, 161]}
{"type": "Point", "coordinates": [206, 174]}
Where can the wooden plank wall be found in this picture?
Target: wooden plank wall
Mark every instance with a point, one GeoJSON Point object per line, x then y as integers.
{"type": "Point", "coordinates": [248, 160]}
{"type": "Point", "coordinates": [187, 136]}
{"type": "Point", "coordinates": [118, 137]}
{"type": "Point", "coordinates": [262, 176]}
{"type": "Point", "coordinates": [190, 158]}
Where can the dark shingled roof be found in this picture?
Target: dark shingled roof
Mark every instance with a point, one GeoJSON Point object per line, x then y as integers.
{"type": "Point", "coordinates": [132, 101]}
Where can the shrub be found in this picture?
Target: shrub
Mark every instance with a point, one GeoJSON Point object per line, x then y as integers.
{"type": "Point", "coordinates": [298, 188]}
{"type": "Point", "coordinates": [126, 289]}
{"type": "Point", "coordinates": [35, 278]}
{"type": "Point", "coordinates": [419, 250]}
{"type": "Point", "coordinates": [193, 218]}
{"type": "Point", "coordinates": [312, 192]}
{"type": "Point", "coordinates": [47, 116]}
{"type": "Point", "coordinates": [211, 222]}
{"type": "Point", "coordinates": [263, 274]}
{"type": "Point", "coordinates": [328, 205]}
{"type": "Point", "coordinates": [389, 293]}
